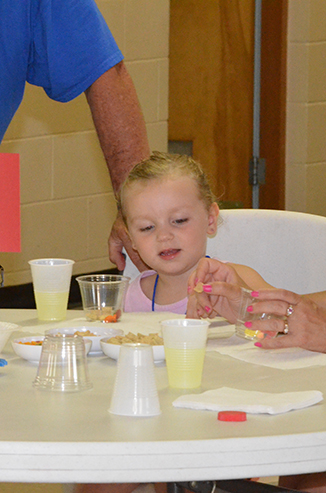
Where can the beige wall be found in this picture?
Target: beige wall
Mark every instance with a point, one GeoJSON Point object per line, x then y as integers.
{"type": "Point", "coordinates": [67, 202]}
{"type": "Point", "coordinates": [306, 107]}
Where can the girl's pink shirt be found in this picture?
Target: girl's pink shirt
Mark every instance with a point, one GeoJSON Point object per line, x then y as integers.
{"type": "Point", "coordinates": [136, 301]}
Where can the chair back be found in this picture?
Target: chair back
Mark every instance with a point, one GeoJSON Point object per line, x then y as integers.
{"type": "Point", "coordinates": [288, 249]}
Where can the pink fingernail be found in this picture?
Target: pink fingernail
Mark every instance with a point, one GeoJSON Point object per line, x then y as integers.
{"type": "Point", "coordinates": [207, 288]}
{"type": "Point", "coordinates": [207, 308]}
{"type": "Point", "coordinates": [248, 325]}
{"type": "Point", "coordinates": [189, 289]}
{"type": "Point", "coordinates": [257, 344]}
{"type": "Point", "coordinates": [254, 294]}
{"type": "Point", "coordinates": [196, 281]}
{"type": "Point", "coordinates": [249, 309]}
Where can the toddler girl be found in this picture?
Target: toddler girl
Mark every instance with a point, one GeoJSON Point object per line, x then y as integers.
{"type": "Point", "coordinates": [169, 210]}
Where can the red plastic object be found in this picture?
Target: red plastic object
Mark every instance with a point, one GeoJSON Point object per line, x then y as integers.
{"type": "Point", "coordinates": [232, 416]}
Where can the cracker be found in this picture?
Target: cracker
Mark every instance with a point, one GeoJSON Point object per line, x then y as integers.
{"type": "Point", "coordinates": [199, 287]}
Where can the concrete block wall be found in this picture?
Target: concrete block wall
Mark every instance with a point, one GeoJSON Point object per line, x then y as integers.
{"type": "Point", "coordinates": [67, 203]}
{"type": "Point", "coordinates": [306, 107]}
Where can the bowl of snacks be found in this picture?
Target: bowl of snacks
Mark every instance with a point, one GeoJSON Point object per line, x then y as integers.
{"type": "Point", "coordinates": [6, 329]}
{"type": "Point", "coordinates": [111, 345]}
{"type": "Point", "coordinates": [30, 347]}
{"type": "Point", "coordinates": [95, 334]}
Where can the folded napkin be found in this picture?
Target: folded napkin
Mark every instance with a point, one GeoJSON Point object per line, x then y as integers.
{"type": "Point", "coordinates": [283, 359]}
{"type": "Point", "coordinates": [228, 399]}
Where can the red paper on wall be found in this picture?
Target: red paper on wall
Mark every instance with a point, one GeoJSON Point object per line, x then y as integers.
{"type": "Point", "coordinates": [9, 203]}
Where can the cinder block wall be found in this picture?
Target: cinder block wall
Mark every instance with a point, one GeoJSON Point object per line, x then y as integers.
{"type": "Point", "coordinates": [68, 206]}
{"type": "Point", "coordinates": [306, 107]}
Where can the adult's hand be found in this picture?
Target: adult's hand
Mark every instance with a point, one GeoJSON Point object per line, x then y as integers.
{"type": "Point", "coordinates": [221, 291]}
{"type": "Point", "coordinates": [306, 325]}
{"type": "Point", "coordinates": [118, 239]}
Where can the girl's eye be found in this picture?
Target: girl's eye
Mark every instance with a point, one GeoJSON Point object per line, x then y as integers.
{"type": "Point", "coordinates": [147, 228]}
{"type": "Point", "coordinates": [181, 221]}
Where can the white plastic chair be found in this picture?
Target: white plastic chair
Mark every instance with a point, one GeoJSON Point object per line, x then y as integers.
{"type": "Point", "coordinates": [287, 248]}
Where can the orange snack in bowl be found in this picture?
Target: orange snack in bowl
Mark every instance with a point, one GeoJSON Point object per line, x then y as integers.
{"type": "Point", "coordinates": [32, 343]}
{"type": "Point", "coordinates": [113, 318]}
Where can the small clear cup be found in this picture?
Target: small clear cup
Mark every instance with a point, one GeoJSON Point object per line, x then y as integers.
{"type": "Point", "coordinates": [63, 364]}
{"type": "Point", "coordinates": [103, 296]}
{"type": "Point", "coordinates": [135, 392]}
{"type": "Point", "coordinates": [244, 316]}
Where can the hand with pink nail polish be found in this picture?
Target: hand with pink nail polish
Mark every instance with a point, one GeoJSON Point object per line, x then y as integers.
{"type": "Point", "coordinates": [218, 287]}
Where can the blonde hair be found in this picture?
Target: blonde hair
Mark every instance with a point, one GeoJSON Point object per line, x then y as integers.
{"type": "Point", "coordinates": [161, 165]}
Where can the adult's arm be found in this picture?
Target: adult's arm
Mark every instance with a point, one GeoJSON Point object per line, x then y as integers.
{"type": "Point", "coordinates": [122, 134]}
{"type": "Point", "coordinates": [119, 122]}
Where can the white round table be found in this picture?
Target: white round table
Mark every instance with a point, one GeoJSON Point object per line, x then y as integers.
{"type": "Point", "coordinates": [71, 437]}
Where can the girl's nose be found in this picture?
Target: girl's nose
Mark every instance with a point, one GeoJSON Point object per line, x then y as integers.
{"type": "Point", "coordinates": [164, 234]}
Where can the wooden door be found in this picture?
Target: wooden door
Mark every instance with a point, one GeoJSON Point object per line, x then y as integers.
{"type": "Point", "coordinates": [211, 92]}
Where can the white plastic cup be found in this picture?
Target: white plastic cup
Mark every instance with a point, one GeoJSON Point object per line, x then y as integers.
{"type": "Point", "coordinates": [244, 316]}
{"type": "Point", "coordinates": [63, 364]}
{"type": "Point", "coordinates": [185, 347]}
{"type": "Point", "coordinates": [51, 284]}
{"type": "Point", "coordinates": [135, 392]}
{"type": "Point", "coordinates": [103, 296]}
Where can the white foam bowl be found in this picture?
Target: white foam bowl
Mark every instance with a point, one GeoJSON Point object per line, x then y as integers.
{"type": "Point", "coordinates": [6, 329]}
{"type": "Point", "coordinates": [113, 350]}
{"type": "Point", "coordinates": [99, 332]}
{"type": "Point", "coordinates": [33, 353]}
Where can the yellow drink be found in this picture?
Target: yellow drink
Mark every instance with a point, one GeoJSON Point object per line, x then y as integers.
{"type": "Point", "coordinates": [51, 305]}
{"type": "Point", "coordinates": [185, 367]}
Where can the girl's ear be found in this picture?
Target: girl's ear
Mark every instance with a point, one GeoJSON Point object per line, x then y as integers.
{"type": "Point", "coordinates": [212, 218]}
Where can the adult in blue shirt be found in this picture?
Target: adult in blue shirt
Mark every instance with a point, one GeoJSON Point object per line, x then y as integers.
{"type": "Point", "coordinates": [66, 47]}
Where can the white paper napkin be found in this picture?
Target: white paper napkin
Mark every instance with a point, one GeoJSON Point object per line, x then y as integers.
{"type": "Point", "coordinates": [228, 399]}
{"type": "Point", "coordinates": [283, 359]}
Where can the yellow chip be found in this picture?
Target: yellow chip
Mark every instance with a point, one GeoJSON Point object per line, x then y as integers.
{"type": "Point", "coordinates": [199, 287]}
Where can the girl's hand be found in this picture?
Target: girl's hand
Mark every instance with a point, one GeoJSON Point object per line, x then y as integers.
{"type": "Point", "coordinates": [220, 293]}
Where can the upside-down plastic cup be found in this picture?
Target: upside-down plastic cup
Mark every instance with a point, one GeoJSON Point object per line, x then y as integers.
{"type": "Point", "coordinates": [185, 347]}
{"type": "Point", "coordinates": [135, 392]}
{"type": "Point", "coordinates": [103, 296]}
{"type": "Point", "coordinates": [63, 364]}
{"type": "Point", "coordinates": [244, 316]}
{"type": "Point", "coordinates": [51, 284]}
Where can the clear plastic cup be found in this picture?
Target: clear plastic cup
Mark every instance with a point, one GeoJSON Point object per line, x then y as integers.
{"type": "Point", "coordinates": [244, 316]}
{"type": "Point", "coordinates": [135, 392]}
{"type": "Point", "coordinates": [51, 284]}
{"type": "Point", "coordinates": [63, 364]}
{"type": "Point", "coordinates": [103, 296]}
{"type": "Point", "coordinates": [185, 347]}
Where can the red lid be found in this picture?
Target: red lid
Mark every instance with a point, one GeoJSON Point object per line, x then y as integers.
{"type": "Point", "coordinates": [232, 416]}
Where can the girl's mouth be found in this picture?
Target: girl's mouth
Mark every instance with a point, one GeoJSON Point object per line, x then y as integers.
{"type": "Point", "coordinates": [169, 254]}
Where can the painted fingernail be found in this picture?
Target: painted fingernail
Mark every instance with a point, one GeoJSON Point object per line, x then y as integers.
{"type": "Point", "coordinates": [248, 325]}
{"type": "Point", "coordinates": [207, 288]}
{"type": "Point", "coordinates": [257, 344]}
{"type": "Point", "coordinates": [207, 308]}
{"type": "Point", "coordinates": [249, 308]}
{"type": "Point", "coordinates": [254, 294]}
{"type": "Point", "coordinates": [189, 289]}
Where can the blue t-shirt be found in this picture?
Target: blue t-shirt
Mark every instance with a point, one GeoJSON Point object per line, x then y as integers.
{"type": "Point", "coordinates": [60, 45]}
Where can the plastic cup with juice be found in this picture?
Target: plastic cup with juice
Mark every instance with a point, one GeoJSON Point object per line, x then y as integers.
{"type": "Point", "coordinates": [51, 283]}
{"type": "Point", "coordinates": [184, 346]}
